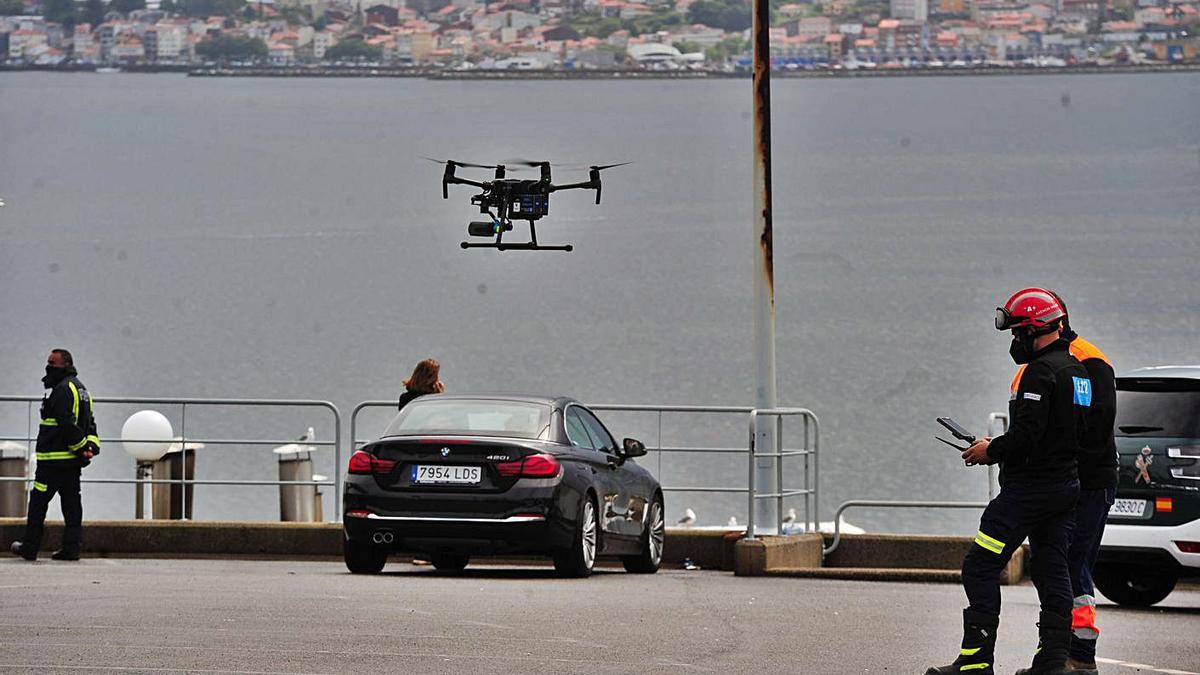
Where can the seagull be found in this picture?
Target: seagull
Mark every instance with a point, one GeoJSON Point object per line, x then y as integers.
{"type": "Point", "coordinates": [790, 517]}
{"type": "Point", "coordinates": [298, 447]}
{"type": "Point", "coordinates": [732, 521]}
{"type": "Point", "coordinates": [688, 519]}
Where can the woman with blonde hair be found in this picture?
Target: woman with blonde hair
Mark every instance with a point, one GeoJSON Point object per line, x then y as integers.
{"type": "Point", "coordinates": [424, 380]}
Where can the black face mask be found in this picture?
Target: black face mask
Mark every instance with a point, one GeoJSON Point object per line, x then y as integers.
{"type": "Point", "coordinates": [53, 376]}
{"type": "Point", "coordinates": [1021, 349]}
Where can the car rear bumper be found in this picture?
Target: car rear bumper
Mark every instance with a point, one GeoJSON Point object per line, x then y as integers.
{"type": "Point", "coordinates": [1119, 537]}
{"type": "Point", "coordinates": [518, 533]}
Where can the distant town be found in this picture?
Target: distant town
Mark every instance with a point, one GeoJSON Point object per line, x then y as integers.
{"type": "Point", "coordinates": [592, 35]}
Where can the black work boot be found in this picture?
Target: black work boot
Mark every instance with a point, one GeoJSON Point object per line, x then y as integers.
{"type": "Point", "coordinates": [72, 544]}
{"type": "Point", "coordinates": [1054, 645]}
{"type": "Point", "coordinates": [24, 551]}
{"type": "Point", "coordinates": [978, 647]}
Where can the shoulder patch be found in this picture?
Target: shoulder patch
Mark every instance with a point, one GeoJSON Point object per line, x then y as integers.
{"type": "Point", "coordinates": [1083, 391]}
{"type": "Point", "coordinates": [1032, 396]}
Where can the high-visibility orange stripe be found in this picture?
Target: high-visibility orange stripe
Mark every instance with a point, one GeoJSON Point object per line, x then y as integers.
{"type": "Point", "coordinates": [1084, 617]}
{"type": "Point", "coordinates": [1017, 379]}
{"type": "Point", "coordinates": [1083, 350]}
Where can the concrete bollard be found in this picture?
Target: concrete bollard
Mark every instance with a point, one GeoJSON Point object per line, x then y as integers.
{"type": "Point", "coordinates": [173, 501]}
{"type": "Point", "coordinates": [296, 502]}
{"type": "Point", "coordinates": [14, 462]}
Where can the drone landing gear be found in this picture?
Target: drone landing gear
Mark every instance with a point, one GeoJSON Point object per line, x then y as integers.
{"type": "Point", "coordinates": [526, 246]}
{"type": "Point", "coordinates": [532, 245]}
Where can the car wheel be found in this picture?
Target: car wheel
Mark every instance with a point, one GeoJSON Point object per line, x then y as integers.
{"type": "Point", "coordinates": [578, 560]}
{"type": "Point", "coordinates": [449, 562]}
{"type": "Point", "coordinates": [1134, 586]}
{"type": "Point", "coordinates": [653, 536]}
{"type": "Point", "coordinates": [362, 557]}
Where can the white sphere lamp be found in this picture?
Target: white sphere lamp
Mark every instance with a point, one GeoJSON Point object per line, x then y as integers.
{"type": "Point", "coordinates": [152, 433]}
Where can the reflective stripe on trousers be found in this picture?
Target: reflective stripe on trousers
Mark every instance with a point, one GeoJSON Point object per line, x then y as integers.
{"type": "Point", "coordinates": [1083, 618]}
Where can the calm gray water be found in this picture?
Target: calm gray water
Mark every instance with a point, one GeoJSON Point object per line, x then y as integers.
{"type": "Point", "coordinates": [282, 238]}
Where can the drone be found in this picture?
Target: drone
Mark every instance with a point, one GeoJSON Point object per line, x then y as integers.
{"type": "Point", "coordinates": [504, 200]}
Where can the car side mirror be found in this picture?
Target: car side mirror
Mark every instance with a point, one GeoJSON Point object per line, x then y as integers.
{"type": "Point", "coordinates": [634, 448]}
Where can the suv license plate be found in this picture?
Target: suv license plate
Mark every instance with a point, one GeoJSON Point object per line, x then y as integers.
{"type": "Point", "coordinates": [1128, 508]}
{"type": "Point", "coordinates": [458, 475]}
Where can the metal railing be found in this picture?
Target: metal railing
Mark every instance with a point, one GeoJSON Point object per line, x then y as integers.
{"type": "Point", "coordinates": [811, 467]}
{"type": "Point", "coordinates": [183, 440]}
{"type": "Point", "coordinates": [659, 448]}
{"type": "Point", "coordinates": [993, 419]}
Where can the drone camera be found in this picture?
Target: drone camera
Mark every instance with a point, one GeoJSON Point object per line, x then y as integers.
{"type": "Point", "coordinates": [484, 229]}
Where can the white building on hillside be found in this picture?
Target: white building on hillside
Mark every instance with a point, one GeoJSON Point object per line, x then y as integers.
{"type": "Point", "coordinates": [914, 10]}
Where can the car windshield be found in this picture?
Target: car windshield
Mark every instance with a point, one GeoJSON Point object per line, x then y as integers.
{"type": "Point", "coordinates": [480, 417]}
{"type": "Point", "coordinates": [1163, 408]}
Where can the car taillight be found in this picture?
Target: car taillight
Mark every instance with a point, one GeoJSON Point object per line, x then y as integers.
{"type": "Point", "coordinates": [364, 463]}
{"type": "Point", "coordinates": [533, 466]}
{"type": "Point", "coordinates": [1164, 504]}
{"type": "Point", "coordinates": [1188, 546]}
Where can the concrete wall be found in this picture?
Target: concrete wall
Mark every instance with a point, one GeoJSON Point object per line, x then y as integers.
{"type": "Point", "coordinates": [863, 556]}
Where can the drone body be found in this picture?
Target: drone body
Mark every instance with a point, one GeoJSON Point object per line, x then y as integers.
{"type": "Point", "coordinates": [507, 199]}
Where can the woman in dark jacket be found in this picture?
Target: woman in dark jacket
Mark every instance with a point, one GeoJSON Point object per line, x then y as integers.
{"type": "Point", "coordinates": [424, 380]}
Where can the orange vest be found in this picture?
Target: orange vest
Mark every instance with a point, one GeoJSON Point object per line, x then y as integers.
{"type": "Point", "coordinates": [1081, 349]}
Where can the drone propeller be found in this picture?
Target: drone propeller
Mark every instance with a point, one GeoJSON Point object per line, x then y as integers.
{"type": "Point", "coordinates": [607, 166]}
{"type": "Point", "coordinates": [458, 163]}
{"type": "Point", "coordinates": [531, 163]}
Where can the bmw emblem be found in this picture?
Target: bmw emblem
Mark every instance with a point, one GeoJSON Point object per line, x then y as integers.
{"type": "Point", "coordinates": [445, 452]}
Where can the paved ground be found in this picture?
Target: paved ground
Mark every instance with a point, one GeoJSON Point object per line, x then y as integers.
{"type": "Point", "coordinates": [124, 615]}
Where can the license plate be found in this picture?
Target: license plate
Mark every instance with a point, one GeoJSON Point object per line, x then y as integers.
{"type": "Point", "coordinates": [1128, 508]}
{"type": "Point", "coordinates": [458, 475]}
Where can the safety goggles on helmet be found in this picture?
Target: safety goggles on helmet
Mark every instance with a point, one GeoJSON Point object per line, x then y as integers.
{"type": "Point", "coordinates": [1005, 320]}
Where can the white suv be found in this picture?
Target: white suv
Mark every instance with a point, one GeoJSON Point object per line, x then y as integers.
{"type": "Point", "coordinates": [1153, 533]}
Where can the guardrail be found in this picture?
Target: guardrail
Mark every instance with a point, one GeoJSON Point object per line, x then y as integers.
{"type": "Point", "coordinates": [31, 437]}
{"type": "Point", "coordinates": [811, 440]}
{"type": "Point", "coordinates": [811, 468]}
{"type": "Point", "coordinates": [993, 420]}
{"type": "Point", "coordinates": [616, 407]}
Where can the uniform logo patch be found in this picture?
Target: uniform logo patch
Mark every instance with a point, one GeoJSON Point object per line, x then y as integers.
{"type": "Point", "coordinates": [1083, 391]}
{"type": "Point", "coordinates": [1032, 396]}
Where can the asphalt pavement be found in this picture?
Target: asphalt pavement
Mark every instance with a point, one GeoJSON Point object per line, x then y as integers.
{"type": "Point", "coordinates": [241, 616]}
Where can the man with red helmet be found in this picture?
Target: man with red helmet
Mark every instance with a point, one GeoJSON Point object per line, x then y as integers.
{"type": "Point", "coordinates": [1039, 486]}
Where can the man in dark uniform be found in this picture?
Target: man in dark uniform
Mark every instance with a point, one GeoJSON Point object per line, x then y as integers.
{"type": "Point", "coordinates": [66, 443]}
{"type": "Point", "coordinates": [1039, 486]}
{"type": "Point", "coordinates": [1097, 491]}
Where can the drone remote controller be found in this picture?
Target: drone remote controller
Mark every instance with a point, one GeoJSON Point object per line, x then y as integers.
{"type": "Point", "coordinates": [958, 432]}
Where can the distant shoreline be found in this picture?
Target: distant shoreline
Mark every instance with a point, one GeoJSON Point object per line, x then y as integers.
{"type": "Point", "coordinates": [629, 74]}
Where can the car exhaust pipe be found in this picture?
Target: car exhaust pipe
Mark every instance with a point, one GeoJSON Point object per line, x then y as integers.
{"type": "Point", "coordinates": [383, 537]}
{"type": "Point", "coordinates": [388, 537]}
{"type": "Point", "coordinates": [377, 537]}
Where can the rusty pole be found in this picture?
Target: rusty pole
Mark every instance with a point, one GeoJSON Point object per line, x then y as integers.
{"type": "Point", "coordinates": [766, 391]}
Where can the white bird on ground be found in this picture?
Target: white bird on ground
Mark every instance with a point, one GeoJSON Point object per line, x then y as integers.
{"type": "Point", "coordinates": [688, 519]}
{"type": "Point", "coordinates": [732, 521]}
{"type": "Point", "coordinates": [790, 517]}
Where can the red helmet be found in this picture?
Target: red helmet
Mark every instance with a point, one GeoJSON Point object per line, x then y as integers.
{"type": "Point", "coordinates": [1036, 308]}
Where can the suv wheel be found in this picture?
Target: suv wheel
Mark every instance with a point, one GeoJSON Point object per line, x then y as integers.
{"type": "Point", "coordinates": [1134, 586]}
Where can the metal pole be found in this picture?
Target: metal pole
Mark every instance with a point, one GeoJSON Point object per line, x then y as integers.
{"type": "Point", "coordinates": [753, 506]}
{"type": "Point", "coordinates": [766, 393]}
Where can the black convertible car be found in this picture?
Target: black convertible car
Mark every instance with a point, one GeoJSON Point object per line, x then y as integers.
{"type": "Point", "coordinates": [456, 476]}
